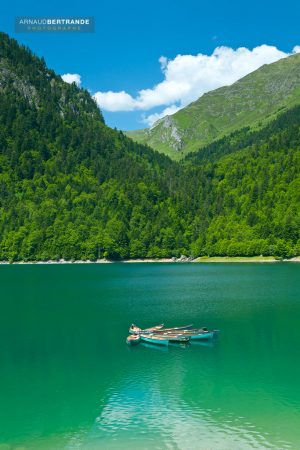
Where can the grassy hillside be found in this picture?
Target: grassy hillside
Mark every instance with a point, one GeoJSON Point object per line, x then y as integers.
{"type": "Point", "coordinates": [252, 101]}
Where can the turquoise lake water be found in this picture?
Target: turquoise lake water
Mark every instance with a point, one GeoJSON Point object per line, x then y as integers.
{"type": "Point", "coordinates": [69, 381]}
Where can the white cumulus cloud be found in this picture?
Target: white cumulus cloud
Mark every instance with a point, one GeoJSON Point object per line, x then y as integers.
{"type": "Point", "coordinates": [186, 78]}
{"type": "Point", "coordinates": [72, 78]}
{"type": "Point", "coordinates": [115, 101]}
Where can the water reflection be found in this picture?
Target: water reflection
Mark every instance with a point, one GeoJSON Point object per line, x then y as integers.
{"type": "Point", "coordinates": [160, 348]}
{"type": "Point", "coordinates": [203, 343]}
{"type": "Point", "coordinates": [169, 423]}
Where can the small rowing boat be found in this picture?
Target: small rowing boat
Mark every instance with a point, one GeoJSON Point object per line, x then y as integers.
{"type": "Point", "coordinates": [154, 339]}
{"type": "Point", "coordinates": [164, 339]}
{"type": "Point", "coordinates": [133, 339]}
{"type": "Point", "coordinates": [158, 329]}
{"type": "Point", "coordinates": [136, 330]}
{"type": "Point", "coordinates": [203, 335]}
{"type": "Point", "coordinates": [194, 334]}
{"type": "Point", "coordinates": [178, 338]}
{"type": "Point", "coordinates": [174, 329]}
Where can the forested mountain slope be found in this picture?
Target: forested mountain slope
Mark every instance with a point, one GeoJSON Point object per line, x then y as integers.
{"type": "Point", "coordinates": [252, 101]}
{"type": "Point", "coordinates": [249, 191]}
{"type": "Point", "coordinates": [70, 187]}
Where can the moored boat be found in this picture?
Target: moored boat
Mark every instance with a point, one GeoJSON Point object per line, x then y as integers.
{"type": "Point", "coordinates": [154, 339]}
{"type": "Point", "coordinates": [203, 335]}
{"type": "Point", "coordinates": [174, 329]}
{"type": "Point", "coordinates": [133, 339]}
{"type": "Point", "coordinates": [164, 339]}
{"type": "Point", "coordinates": [194, 334]}
{"type": "Point", "coordinates": [167, 331]}
{"type": "Point", "coordinates": [136, 330]}
{"type": "Point", "coordinates": [157, 329]}
{"type": "Point", "coordinates": [178, 338]}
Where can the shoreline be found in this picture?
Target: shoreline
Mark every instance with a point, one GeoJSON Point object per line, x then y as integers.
{"type": "Point", "coordinates": [182, 259]}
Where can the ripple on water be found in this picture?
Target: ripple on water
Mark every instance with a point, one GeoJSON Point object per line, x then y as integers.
{"type": "Point", "coordinates": [135, 412]}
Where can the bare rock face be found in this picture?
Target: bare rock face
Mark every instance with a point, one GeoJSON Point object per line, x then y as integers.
{"type": "Point", "coordinates": [8, 78]}
{"type": "Point", "coordinates": [76, 102]}
{"type": "Point", "coordinates": [170, 133]}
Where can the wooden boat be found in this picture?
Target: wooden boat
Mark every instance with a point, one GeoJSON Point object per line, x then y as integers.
{"type": "Point", "coordinates": [193, 333]}
{"type": "Point", "coordinates": [180, 331]}
{"type": "Point", "coordinates": [174, 329]}
{"type": "Point", "coordinates": [157, 329]}
{"type": "Point", "coordinates": [203, 335]}
{"type": "Point", "coordinates": [164, 339]}
{"type": "Point", "coordinates": [133, 339]}
{"type": "Point", "coordinates": [178, 338]}
{"type": "Point", "coordinates": [154, 339]}
{"type": "Point", "coordinates": [136, 330]}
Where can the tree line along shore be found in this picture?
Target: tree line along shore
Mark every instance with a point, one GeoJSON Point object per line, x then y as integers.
{"type": "Point", "coordinates": [206, 259]}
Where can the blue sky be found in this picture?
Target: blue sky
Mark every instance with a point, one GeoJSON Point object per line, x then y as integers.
{"type": "Point", "coordinates": [123, 53]}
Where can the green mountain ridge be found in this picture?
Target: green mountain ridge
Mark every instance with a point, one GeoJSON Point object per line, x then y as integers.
{"type": "Point", "coordinates": [252, 101]}
{"type": "Point", "coordinates": [72, 188]}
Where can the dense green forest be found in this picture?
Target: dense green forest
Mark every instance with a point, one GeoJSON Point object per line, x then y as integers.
{"type": "Point", "coordinates": [70, 187]}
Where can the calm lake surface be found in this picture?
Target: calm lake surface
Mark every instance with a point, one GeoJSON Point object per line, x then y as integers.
{"type": "Point", "coordinates": [69, 381]}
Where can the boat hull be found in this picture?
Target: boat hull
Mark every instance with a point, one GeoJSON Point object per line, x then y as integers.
{"type": "Point", "coordinates": [178, 339]}
{"type": "Point", "coordinates": [203, 336]}
{"type": "Point", "coordinates": [153, 340]}
{"type": "Point", "coordinates": [133, 340]}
